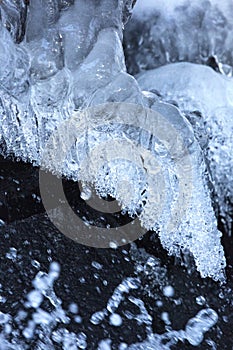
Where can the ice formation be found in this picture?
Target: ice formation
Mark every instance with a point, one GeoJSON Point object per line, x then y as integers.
{"type": "Point", "coordinates": [199, 31]}
{"type": "Point", "coordinates": [63, 62]}
{"type": "Point", "coordinates": [68, 62]}
{"type": "Point", "coordinates": [206, 98]}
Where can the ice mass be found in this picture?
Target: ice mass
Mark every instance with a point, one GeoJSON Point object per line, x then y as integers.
{"type": "Point", "coordinates": [145, 91]}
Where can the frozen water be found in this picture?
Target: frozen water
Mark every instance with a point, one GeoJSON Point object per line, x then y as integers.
{"type": "Point", "coordinates": [199, 31]}
{"type": "Point", "coordinates": [68, 62]}
{"type": "Point", "coordinates": [13, 17]}
{"type": "Point", "coordinates": [205, 97]}
{"type": "Point", "coordinates": [157, 193]}
{"type": "Point", "coordinates": [40, 76]}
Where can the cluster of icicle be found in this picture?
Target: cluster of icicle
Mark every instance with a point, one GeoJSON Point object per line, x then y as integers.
{"type": "Point", "coordinates": [53, 61]}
